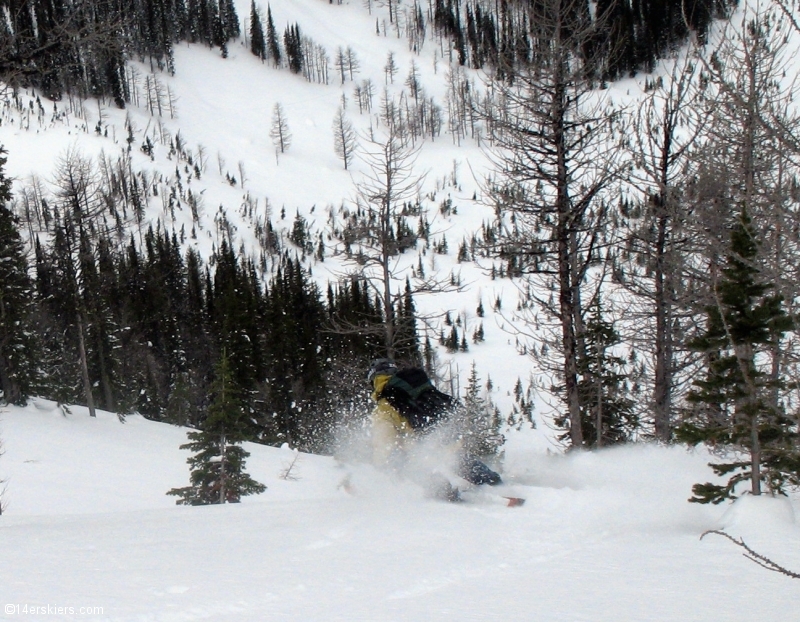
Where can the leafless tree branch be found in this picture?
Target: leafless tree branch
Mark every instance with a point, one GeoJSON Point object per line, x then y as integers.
{"type": "Point", "coordinates": [753, 556]}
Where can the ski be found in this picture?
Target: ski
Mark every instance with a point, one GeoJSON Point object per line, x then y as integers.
{"type": "Point", "coordinates": [488, 495]}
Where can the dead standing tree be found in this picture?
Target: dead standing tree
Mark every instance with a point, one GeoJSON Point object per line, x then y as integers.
{"type": "Point", "coordinates": [388, 182]}
{"type": "Point", "coordinates": [376, 235]}
{"type": "Point", "coordinates": [279, 131]}
{"type": "Point", "coordinates": [663, 131]}
{"type": "Point", "coordinates": [553, 163]}
{"type": "Point", "coordinates": [78, 192]}
{"type": "Point", "coordinates": [345, 140]}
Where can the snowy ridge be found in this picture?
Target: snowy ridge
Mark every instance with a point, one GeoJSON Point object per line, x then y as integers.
{"type": "Point", "coordinates": [603, 536]}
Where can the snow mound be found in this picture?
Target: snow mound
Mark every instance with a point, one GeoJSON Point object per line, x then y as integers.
{"type": "Point", "coordinates": [762, 513]}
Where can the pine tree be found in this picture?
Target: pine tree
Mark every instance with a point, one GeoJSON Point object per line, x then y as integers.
{"type": "Point", "coordinates": [61, 292]}
{"type": "Point", "coordinates": [293, 390]}
{"type": "Point", "coordinates": [453, 341]}
{"type": "Point", "coordinates": [406, 337]}
{"type": "Point", "coordinates": [480, 426]}
{"type": "Point", "coordinates": [607, 414]}
{"type": "Point", "coordinates": [293, 44]}
{"type": "Point", "coordinates": [235, 314]}
{"type": "Point", "coordinates": [229, 20]}
{"type": "Point", "coordinates": [217, 466]}
{"type": "Point", "coordinates": [102, 330]}
{"type": "Point", "coordinates": [273, 44]}
{"type": "Point", "coordinates": [258, 44]}
{"type": "Point", "coordinates": [18, 368]}
{"type": "Point", "coordinates": [55, 330]}
{"type": "Point", "coordinates": [735, 407]}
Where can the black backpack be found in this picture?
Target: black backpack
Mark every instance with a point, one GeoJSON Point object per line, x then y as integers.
{"type": "Point", "coordinates": [413, 395]}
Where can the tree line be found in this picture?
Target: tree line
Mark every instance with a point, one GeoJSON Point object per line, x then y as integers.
{"type": "Point", "coordinates": [82, 47]}
{"type": "Point", "coordinates": [129, 325]}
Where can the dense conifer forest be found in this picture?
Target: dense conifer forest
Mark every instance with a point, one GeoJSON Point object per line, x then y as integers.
{"type": "Point", "coordinates": [82, 47]}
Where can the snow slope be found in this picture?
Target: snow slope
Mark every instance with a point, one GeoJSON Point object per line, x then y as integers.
{"type": "Point", "coordinates": [224, 114]}
{"type": "Point", "coordinates": [604, 536]}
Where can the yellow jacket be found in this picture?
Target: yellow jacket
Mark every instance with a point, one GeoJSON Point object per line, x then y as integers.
{"type": "Point", "coordinates": [391, 432]}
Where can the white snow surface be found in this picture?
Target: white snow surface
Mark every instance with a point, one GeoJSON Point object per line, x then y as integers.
{"type": "Point", "coordinates": [603, 536]}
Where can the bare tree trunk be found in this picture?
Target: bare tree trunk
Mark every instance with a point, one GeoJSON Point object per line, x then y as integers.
{"type": "Point", "coordinates": [105, 382]}
{"type": "Point", "coordinates": [599, 418]}
{"type": "Point", "coordinates": [10, 389]}
{"type": "Point", "coordinates": [568, 282]}
{"type": "Point", "coordinates": [755, 458]}
{"type": "Point", "coordinates": [87, 383]}
{"type": "Point", "coordinates": [554, 166]}
{"type": "Point", "coordinates": [664, 131]}
{"type": "Point", "coordinates": [567, 309]}
{"type": "Point", "coordinates": [388, 307]}
{"type": "Point", "coordinates": [223, 474]}
{"type": "Point", "coordinates": [663, 347]}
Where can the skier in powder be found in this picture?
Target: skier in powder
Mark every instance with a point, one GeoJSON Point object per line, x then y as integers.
{"type": "Point", "coordinates": [407, 408]}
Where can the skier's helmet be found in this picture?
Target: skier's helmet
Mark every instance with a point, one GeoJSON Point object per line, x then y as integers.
{"type": "Point", "coordinates": [381, 367]}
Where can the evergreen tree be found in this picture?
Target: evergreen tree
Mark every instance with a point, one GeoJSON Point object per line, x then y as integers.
{"type": "Point", "coordinates": [17, 345]}
{"type": "Point", "coordinates": [617, 37]}
{"type": "Point", "coordinates": [60, 285]}
{"type": "Point", "coordinates": [294, 49]}
{"type": "Point", "coordinates": [58, 356]}
{"type": "Point", "coordinates": [229, 20]}
{"type": "Point", "coordinates": [235, 314]}
{"type": "Point", "coordinates": [480, 425]}
{"type": "Point", "coordinates": [734, 403]}
{"type": "Point", "coordinates": [293, 391]}
{"type": "Point", "coordinates": [353, 320]}
{"type": "Point", "coordinates": [217, 466]}
{"type": "Point", "coordinates": [258, 44]}
{"type": "Point", "coordinates": [406, 337]}
{"type": "Point", "coordinates": [273, 44]}
{"type": "Point", "coordinates": [607, 413]}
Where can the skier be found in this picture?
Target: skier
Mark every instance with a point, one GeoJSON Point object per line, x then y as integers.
{"type": "Point", "coordinates": [408, 407]}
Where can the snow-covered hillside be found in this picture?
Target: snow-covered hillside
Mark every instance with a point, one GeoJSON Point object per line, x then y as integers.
{"type": "Point", "coordinates": [603, 536]}
{"type": "Point", "coordinates": [220, 109]}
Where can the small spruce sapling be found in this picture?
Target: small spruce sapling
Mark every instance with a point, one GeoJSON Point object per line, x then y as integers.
{"type": "Point", "coordinates": [217, 466]}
